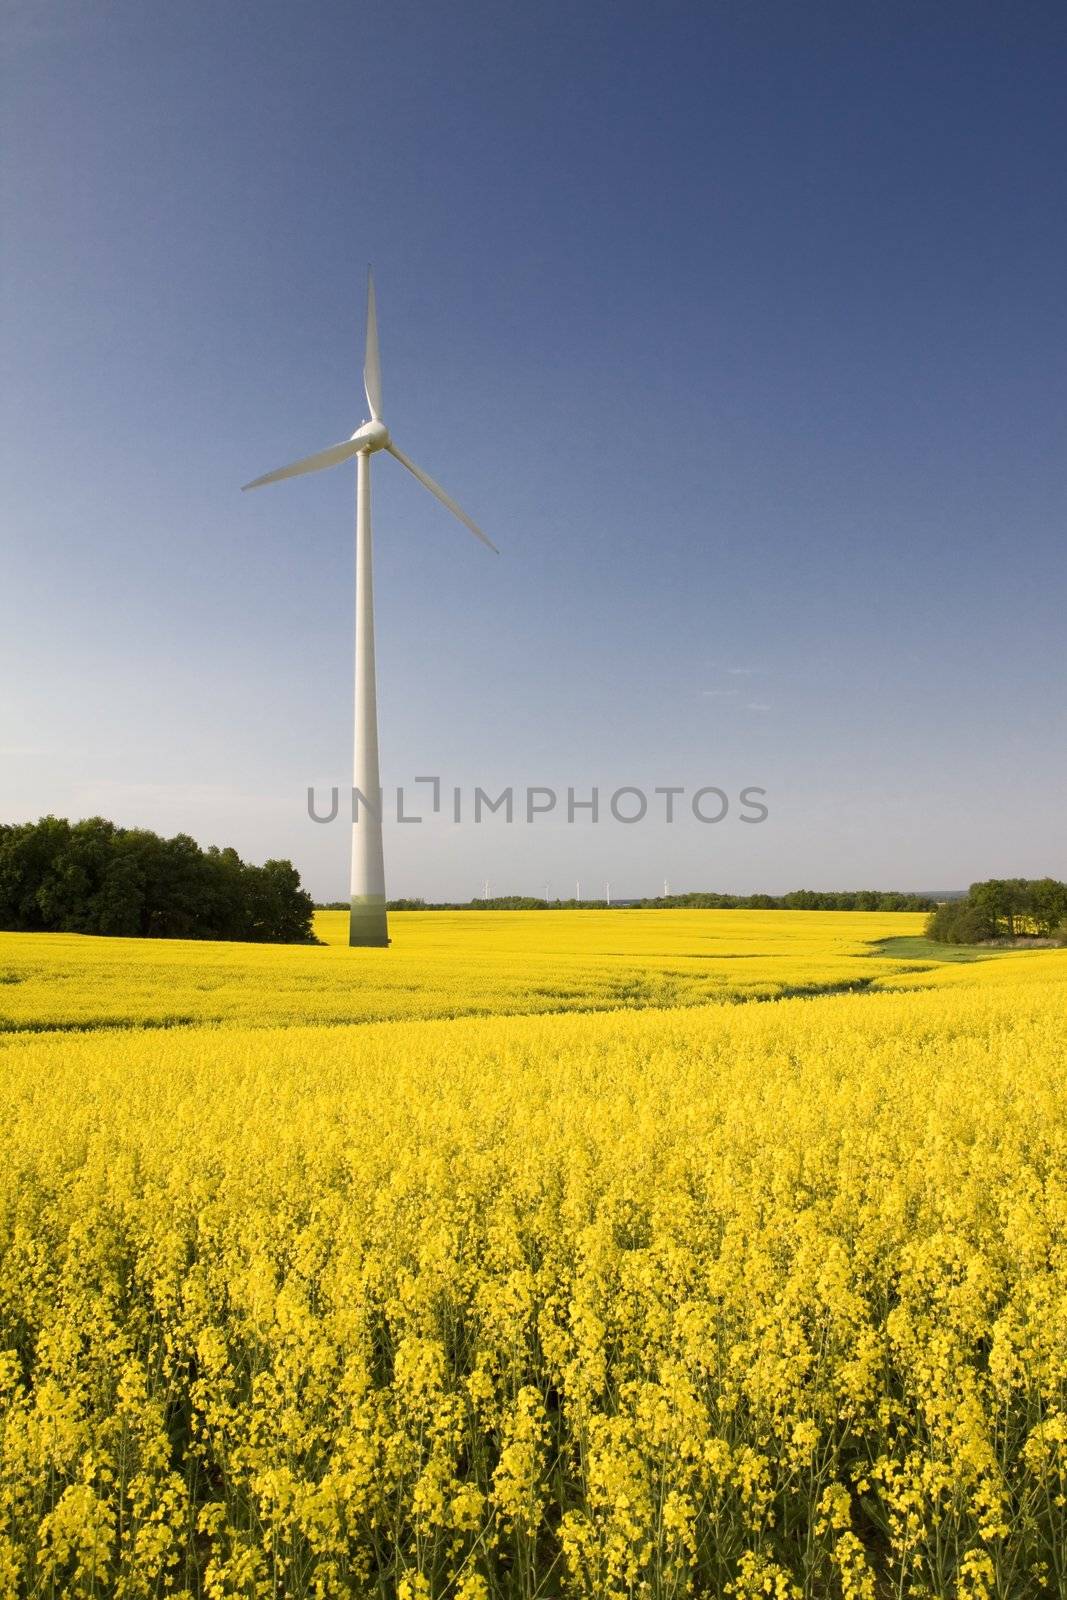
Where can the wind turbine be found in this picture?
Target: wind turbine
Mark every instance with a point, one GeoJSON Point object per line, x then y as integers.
{"type": "Point", "coordinates": [367, 923]}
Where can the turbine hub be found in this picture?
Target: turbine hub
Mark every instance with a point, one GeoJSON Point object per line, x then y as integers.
{"type": "Point", "coordinates": [372, 436]}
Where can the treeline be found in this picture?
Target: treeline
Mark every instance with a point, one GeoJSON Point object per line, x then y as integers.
{"type": "Point", "coordinates": [504, 902]}
{"type": "Point", "coordinates": [93, 877]}
{"type": "Point", "coordinates": [800, 900]}
{"type": "Point", "coordinates": [796, 900]}
{"type": "Point", "coordinates": [1003, 908]}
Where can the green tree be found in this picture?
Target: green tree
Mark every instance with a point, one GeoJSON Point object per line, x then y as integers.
{"type": "Point", "coordinates": [1048, 905]}
{"type": "Point", "coordinates": [93, 877]}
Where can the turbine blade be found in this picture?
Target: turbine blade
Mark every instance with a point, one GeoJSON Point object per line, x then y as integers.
{"type": "Point", "coordinates": [372, 366]}
{"type": "Point", "coordinates": [315, 463]}
{"type": "Point", "coordinates": [445, 499]}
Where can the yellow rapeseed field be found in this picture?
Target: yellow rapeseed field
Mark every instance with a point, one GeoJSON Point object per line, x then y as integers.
{"type": "Point", "coordinates": [330, 1289]}
{"type": "Point", "coordinates": [444, 965]}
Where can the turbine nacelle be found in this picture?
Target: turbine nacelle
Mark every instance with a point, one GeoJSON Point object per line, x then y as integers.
{"type": "Point", "coordinates": [371, 436]}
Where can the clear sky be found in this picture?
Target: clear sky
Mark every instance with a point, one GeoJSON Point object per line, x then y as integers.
{"type": "Point", "coordinates": [742, 330]}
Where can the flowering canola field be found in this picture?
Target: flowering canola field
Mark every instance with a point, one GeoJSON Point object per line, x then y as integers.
{"type": "Point", "coordinates": [443, 965]}
{"type": "Point", "coordinates": [610, 1298]}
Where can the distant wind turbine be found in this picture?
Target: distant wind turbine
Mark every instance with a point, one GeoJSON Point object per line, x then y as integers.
{"type": "Point", "coordinates": [367, 923]}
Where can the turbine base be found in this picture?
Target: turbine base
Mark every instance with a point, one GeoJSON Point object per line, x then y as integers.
{"type": "Point", "coordinates": [367, 922]}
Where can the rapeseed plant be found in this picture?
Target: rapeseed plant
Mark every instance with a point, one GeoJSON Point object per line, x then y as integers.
{"type": "Point", "coordinates": [731, 1300]}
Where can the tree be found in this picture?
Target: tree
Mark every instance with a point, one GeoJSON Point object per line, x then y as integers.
{"type": "Point", "coordinates": [1001, 908]}
{"type": "Point", "coordinates": [93, 877]}
{"type": "Point", "coordinates": [1048, 905]}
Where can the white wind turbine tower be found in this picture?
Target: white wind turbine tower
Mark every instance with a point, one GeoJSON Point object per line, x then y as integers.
{"type": "Point", "coordinates": [367, 919]}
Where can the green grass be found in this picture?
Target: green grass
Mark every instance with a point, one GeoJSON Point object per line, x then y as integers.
{"type": "Point", "coordinates": [919, 949]}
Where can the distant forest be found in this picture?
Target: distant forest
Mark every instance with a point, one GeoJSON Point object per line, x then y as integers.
{"type": "Point", "coordinates": [93, 877]}
{"type": "Point", "coordinates": [1003, 909]}
{"type": "Point", "coordinates": [796, 900]}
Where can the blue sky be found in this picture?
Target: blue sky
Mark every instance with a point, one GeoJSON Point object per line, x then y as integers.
{"type": "Point", "coordinates": [741, 329]}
